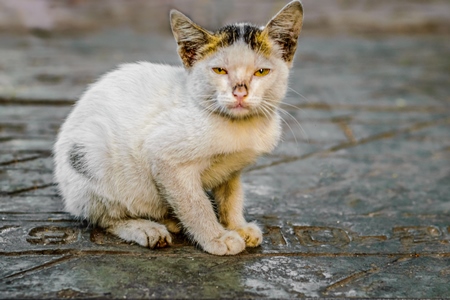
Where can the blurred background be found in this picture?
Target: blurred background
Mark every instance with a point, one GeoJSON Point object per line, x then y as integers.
{"type": "Point", "coordinates": [48, 17]}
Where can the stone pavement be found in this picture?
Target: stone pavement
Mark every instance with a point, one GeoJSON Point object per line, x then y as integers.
{"type": "Point", "coordinates": [355, 202]}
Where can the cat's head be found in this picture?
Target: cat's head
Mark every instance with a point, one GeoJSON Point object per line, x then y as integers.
{"type": "Point", "coordinates": [240, 70]}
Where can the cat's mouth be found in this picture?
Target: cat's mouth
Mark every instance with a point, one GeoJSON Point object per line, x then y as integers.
{"type": "Point", "coordinates": [237, 112]}
{"type": "Point", "coordinates": [239, 109]}
{"type": "Point", "coordinates": [238, 106]}
{"type": "Point", "coordinates": [234, 109]}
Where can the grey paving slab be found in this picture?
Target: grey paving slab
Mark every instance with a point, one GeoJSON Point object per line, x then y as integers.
{"type": "Point", "coordinates": [278, 277]}
{"type": "Point", "coordinates": [353, 203]}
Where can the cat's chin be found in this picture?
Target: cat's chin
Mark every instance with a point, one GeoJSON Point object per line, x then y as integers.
{"type": "Point", "coordinates": [239, 113]}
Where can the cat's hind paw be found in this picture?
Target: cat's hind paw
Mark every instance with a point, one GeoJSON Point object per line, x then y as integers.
{"type": "Point", "coordinates": [251, 234]}
{"type": "Point", "coordinates": [228, 244]}
{"type": "Point", "coordinates": [144, 232]}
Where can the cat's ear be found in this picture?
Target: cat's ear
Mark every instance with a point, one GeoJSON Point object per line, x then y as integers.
{"type": "Point", "coordinates": [285, 28]}
{"type": "Point", "coordinates": [190, 37]}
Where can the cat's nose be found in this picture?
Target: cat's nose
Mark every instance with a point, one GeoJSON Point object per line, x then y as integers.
{"type": "Point", "coordinates": [240, 92]}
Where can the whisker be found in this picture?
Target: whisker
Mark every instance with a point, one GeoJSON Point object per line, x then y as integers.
{"type": "Point", "coordinates": [306, 99]}
{"type": "Point", "coordinates": [298, 123]}
{"type": "Point", "coordinates": [265, 112]}
{"type": "Point", "coordinates": [267, 109]}
{"type": "Point", "coordinates": [211, 109]}
{"type": "Point", "coordinates": [293, 106]}
{"type": "Point", "coordinates": [290, 115]}
{"type": "Point", "coordinates": [284, 103]}
{"type": "Point", "coordinates": [290, 128]}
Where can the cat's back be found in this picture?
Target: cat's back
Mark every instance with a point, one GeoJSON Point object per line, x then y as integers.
{"type": "Point", "coordinates": [126, 95]}
{"type": "Point", "coordinates": [114, 108]}
{"type": "Point", "coordinates": [132, 73]}
{"type": "Point", "coordinates": [137, 81]}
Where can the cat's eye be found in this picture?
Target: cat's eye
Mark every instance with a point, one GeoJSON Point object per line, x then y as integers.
{"type": "Point", "coordinates": [262, 72]}
{"type": "Point", "coordinates": [220, 71]}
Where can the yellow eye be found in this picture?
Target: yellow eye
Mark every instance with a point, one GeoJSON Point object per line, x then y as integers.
{"type": "Point", "coordinates": [220, 71]}
{"type": "Point", "coordinates": [262, 72]}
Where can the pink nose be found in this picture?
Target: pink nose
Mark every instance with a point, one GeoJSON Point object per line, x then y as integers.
{"type": "Point", "coordinates": [240, 92]}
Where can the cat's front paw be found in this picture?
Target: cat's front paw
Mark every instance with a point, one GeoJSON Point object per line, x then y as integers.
{"type": "Point", "coordinates": [251, 234]}
{"type": "Point", "coordinates": [144, 232]}
{"type": "Point", "coordinates": [229, 243]}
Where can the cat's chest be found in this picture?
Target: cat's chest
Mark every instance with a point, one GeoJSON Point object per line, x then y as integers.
{"type": "Point", "coordinates": [222, 167]}
{"type": "Point", "coordinates": [256, 137]}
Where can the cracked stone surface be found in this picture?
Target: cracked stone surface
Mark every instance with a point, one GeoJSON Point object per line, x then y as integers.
{"type": "Point", "coordinates": [354, 202]}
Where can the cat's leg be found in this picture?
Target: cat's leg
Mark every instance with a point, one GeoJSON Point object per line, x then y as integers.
{"type": "Point", "coordinates": [182, 188]}
{"type": "Point", "coordinates": [114, 218]}
{"type": "Point", "coordinates": [230, 200]}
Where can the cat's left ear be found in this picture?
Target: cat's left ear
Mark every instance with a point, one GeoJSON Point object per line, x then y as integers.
{"type": "Point", "coordinates": [285, 28]}
{"type": "Point", "coordinates": [190, 37]}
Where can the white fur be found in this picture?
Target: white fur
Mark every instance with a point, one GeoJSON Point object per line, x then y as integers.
{"type": "Point", "coordinates": [154, 137]}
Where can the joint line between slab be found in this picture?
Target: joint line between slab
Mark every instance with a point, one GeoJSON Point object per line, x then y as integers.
{"type": "Point", "coordinates": [347, 145]}
{"type": "Point", "coordinates": [38, 268]}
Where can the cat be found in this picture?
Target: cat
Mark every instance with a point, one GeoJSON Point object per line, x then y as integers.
{"type": "Point", "coordinates": [145, 143]}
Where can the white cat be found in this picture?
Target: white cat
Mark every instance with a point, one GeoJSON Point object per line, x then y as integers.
{"type": "Point", "coordinates": [144, 143]}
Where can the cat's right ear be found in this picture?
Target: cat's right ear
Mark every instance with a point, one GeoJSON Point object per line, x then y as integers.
{"type": "Point", "coordinates": [190, 37]}
{"type": "Point", "coordinates": [285, 28]}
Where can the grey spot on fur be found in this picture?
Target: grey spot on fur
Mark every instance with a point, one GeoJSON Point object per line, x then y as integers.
{"type": "Point", "coordinates": [195, 43]}
{"type": "Point", "coordinates": [250, 34]}
{"type": "Point", "coordinates": [77, 159]}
